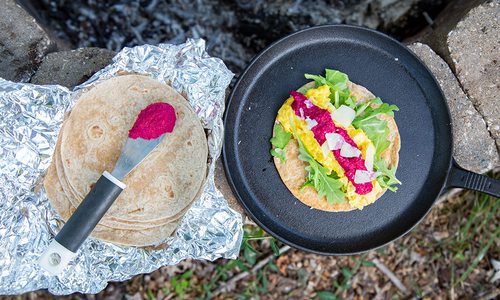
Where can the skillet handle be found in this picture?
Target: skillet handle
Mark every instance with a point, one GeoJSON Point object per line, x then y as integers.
{"type": "Point", "coordinates": [458, 177]}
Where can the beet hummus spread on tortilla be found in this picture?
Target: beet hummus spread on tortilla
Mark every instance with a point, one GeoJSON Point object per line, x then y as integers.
{"type": "Point", "coordinates": [335, 144]}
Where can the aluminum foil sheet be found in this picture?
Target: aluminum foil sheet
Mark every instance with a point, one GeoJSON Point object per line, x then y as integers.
{"type": "Point", "coordinates": [30, 117]}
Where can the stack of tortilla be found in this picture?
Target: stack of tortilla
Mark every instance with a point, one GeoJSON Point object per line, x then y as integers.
{"type": "Point", "coordinates": [159, 190]}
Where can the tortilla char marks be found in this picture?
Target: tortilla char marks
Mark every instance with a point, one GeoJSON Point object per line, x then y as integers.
{"type": "Point", "coordinates": [170, 191]}
{"type": "Point", "coordinates": [138, 210]}
{"type": "Point", "coordinates": [96, 132]}
{"type": "Point", "coordinates": [180, 115]}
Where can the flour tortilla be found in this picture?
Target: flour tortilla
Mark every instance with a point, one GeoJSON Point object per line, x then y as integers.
{"type": "Point", "coordinates": [293, 172]}
{"type": "Point", "coordinates": [138, 238]}
{"type": "Point", "coordinates": [166, 182]}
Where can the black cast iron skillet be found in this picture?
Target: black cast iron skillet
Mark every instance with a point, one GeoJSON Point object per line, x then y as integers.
{"type": "Point", "coordinates": [390, 71]}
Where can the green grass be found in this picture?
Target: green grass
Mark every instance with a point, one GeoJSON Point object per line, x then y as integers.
{"type": "Point", "coordinates": [343, 282]}
{"type": "Point", "coordinates": [254, 238]}
{"type": "Point", "coordinates": [472, 224]}
{"type": "Point", "coordinates": [478, 231]}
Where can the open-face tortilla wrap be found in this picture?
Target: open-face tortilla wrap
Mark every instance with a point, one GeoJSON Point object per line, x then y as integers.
{"type": "Point", "coordinates": [293, 172]}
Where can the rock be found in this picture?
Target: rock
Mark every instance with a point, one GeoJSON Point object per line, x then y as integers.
{"type": "Point", "coordinates": [23, 43]}
{"type": "Point", "coordinates": [70, 68]}
{"type": "Point", "coordinates": [474, 149]}
{"type": "Point", "coordinates": [435, 35]}
{"type": "Point", "coordinates": [32, 8]}
{"type": "Point", "coordinates": [223, 186]}
{"type": "Point", "coordinates": [474, 47]}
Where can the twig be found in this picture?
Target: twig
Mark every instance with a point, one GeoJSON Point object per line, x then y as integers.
{"type": "Point", "coordinates": [493, 295]}
{"type": "Point", "coordinates": [232, 282]}
{"type": "Point", "coordinates": [392, 277]}
{"type": "Point", "coordinates": [448, 195]}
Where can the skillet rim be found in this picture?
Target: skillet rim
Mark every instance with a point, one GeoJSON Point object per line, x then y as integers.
{"type": "Point", "coordinates": [380, 35]}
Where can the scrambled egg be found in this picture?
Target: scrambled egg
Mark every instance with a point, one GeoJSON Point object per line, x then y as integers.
{"type": "Point", "coordinates": [320, 97]}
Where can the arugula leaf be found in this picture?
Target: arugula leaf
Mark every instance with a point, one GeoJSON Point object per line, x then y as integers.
{"type": "Point", "coordinates": [337, 78]}
{"type": "Point", "coordinates": [326, 185]}
{"type": "Point", "coordinates": [281, 137]}
{"type": "Point", "coordinates": [388, 178]}
{"type": "Point", "coordinates": [279, 153]}
{"type": "Point", "coordinates": [351, 103]}
{"type": "Point", "coordinates": [279, 141]}
{"type": "Point", "coordinates": [318, 79]}
{"type": "Point", "coordinates": [384, 108]}
{"type": "Point", "coordinates": [377, 130]}
{"type": "Point", "coordinates": [306, 184]}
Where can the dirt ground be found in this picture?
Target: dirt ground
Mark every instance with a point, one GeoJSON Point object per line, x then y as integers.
{"type": "Point", "coordinates": [451, 254]}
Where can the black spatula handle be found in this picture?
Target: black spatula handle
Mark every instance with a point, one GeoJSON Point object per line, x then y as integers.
{"type": "Point", "coordinates": [81, 223]}
{"type": "Point", "coordinates": [459, 177]}
{"type": "Point", "coordinates": [88, 214]}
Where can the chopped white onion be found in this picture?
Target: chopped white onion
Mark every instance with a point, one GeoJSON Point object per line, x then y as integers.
{"type": "Point", "coordinates": [326, 149]}
{"type": "Point", "coordinates": [310, 123]}
{"type": "Point", "coordinates": [335, 140]}
{"type": "Point", "coordinates": [362, 176]}
{"type": "Point", "coordinates": [369, 157]}
{"type": "Point", "coordinates": [301, 112]}
{"type": "Point", "coordinates": [348, 150]}
{"type": "Point", "coordinates": [308, 103]}
{"type": "Point", "coordinates": [344, 116]}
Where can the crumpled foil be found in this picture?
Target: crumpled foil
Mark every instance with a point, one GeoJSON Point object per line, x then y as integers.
{"type": "Point", "coordinates": [30, 118]}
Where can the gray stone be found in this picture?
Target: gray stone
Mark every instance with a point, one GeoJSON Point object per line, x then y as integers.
{"type": "Point", "coordinates": [70, 68]}
{"type": "Point", "coordinates": [33, 8]}
{"type": "Point", "coordinates": [223, 186]}
{"type": "Point", "coordinates": [474, 47]}
{"type": "Point", "coordinates": [435, 35]}
{"type": "Point", "coordinates": [23, 43]}
{"type": "Point", "coordinates": [474, 148]}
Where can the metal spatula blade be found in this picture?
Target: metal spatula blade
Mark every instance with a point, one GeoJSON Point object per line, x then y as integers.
{"type": "Point", "coordinates": [134, 151]}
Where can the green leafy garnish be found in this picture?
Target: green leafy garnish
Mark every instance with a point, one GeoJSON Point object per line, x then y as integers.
{"type": "Point", "coordinates": [337, 78]}
{"type": "Point", "coordinates": [302, 90]}
{"type": "Point", "coordinates": [306, 184]}
{"type": "Point", "coordinates": [388, 178]}
{"type": "Point", "coordinates": [377, 130]}
{"type": "Point", "coordinates": [281, 137]}
{"type": "Point", "coordinates": [279, 141]}
{"type": "Point", "coordinates": [384, 108]}
{"type": "Point", "coordinates": [320, 80]}
{"type": "Point", "coordinates": [326, 185]}
{"type": "Point", "coordinates": [279, 153]}
{"type": "Point", "coordinates": [337, 82]}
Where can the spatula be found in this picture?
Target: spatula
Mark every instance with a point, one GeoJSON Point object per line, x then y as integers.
{"type": "Point", "coordinates": [152, 125]}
